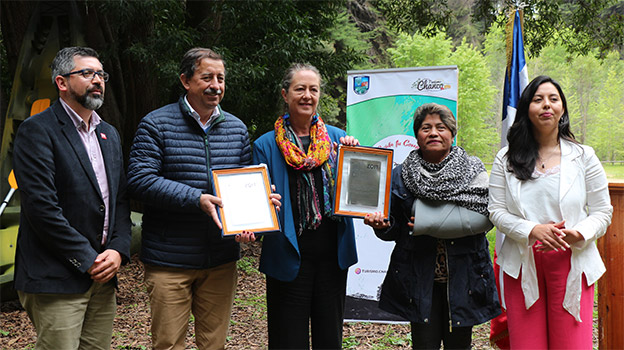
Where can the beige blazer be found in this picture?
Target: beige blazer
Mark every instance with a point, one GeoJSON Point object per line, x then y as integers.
{"type": "Point", "coordinates": [585, 207]}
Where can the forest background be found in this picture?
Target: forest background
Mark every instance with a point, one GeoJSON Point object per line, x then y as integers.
{"type": "Point", "coordinates": [578, 43]}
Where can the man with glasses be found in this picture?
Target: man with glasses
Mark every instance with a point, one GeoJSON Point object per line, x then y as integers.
{"type": "Point", "coordinates": [75, 220]}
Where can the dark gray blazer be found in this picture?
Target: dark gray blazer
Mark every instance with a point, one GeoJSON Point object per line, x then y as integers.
{"type": "Point", "coordinates": [62, 210]}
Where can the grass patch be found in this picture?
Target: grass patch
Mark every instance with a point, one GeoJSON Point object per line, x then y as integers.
{"type": "Point", "coordinates": [350, 342]}
{"type": "Point", "coordinates": [491, 237]}
{"type": "Point", "coordinates": [614, 171]}
{"type": "Point", "coordinates": [392, 340]}
{"type": "Point", "coordinates": [257, 305]}
{"type": "Point", "coordinates": [246, 264]}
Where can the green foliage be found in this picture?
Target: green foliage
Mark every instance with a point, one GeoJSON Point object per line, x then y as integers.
{"type": "Point", "coordinates": [159, 49]}
{"type": "Point", "coordinates": [461, 27]}
{"type": "Point", "coordinates": [258, 39]}
{"type": "Point", "coordinates": [280, 33]}
{"type": "Point", "coordinates": [344, 36]}
{"type": "Point", "coordinates": [607, 130]}
{"type": "Point", "coordinates": [350, 342]}
{"type": "Point", "coordinates": [426, 17]}
{"type": "Point", "coordinates": [476, 94]}
{"type": "Point", "coordinates": [256, 304]}
{"type": "Point", "coordinates": [421, 51]}
{"type": "Point", "coordinates": [391, 340]}
{"type": "Point", "coordinates": [144, 41]}
{"type": "Point", "coordinates": [593, 88]}
{"type": "Point", "coordinates": [579, 25]}
{"type": "Point", "coordinates": [491, 237]}
{"type": "Point", "coordinates": [494, 53]}
{"type": "Point", "coordinates": [580, 83]}
{"type": "Point", "coordinates": [6, 80]}
{"type": "Point", "coordinates": [246, 264]}
{"type": "Point", "coordinates": [594, 93]}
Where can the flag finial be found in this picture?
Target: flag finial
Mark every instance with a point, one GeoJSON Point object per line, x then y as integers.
{"type": "Point", "coordinates": [520, 5]}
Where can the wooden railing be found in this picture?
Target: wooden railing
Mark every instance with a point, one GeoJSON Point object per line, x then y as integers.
{"type": "Point", "coordinates": [611, 285]}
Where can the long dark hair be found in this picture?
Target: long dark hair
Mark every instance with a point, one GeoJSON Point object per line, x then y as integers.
{"type": "Point", "coordinates": [523, 148]}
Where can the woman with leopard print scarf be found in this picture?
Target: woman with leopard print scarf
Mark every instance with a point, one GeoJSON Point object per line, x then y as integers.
{"type": "Point", "coordinates": [443, 286]}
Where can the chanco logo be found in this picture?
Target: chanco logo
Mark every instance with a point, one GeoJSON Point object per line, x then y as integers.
{"type": "Point", "coordinates": [430, 85]}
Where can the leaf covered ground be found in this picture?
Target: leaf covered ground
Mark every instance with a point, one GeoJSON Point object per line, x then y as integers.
{"type": "Point", "coordinates": [247, 326]}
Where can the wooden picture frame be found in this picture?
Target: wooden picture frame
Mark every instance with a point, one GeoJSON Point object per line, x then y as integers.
{"type": "Point", "coordinates": [246, 203]}
{"type": "Point", "coordinates": [363, 181]}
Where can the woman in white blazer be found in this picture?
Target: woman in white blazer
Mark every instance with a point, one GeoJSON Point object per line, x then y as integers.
{"type": "Point", "coordinates": [549, 197]}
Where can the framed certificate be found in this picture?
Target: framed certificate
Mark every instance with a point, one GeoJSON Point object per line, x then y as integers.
{"type": "Point", "coordinates": [246, 203]}
{"type": "Point", "coordinates": [363, 183]}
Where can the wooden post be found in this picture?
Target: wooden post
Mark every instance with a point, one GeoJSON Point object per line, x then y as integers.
{"type": "Point", "coordinates": [611, 285]}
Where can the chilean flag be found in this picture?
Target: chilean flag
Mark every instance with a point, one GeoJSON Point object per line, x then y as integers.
{"type": "Point", "coordinates": [516, 79]}
{"type": "Point", "coordinates": [516, 76]}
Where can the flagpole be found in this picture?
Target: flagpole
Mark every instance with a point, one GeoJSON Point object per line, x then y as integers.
{"type": "Point", "coordinates": [516, 76]}
{"type": "Point", "coordinates": [516, 79]}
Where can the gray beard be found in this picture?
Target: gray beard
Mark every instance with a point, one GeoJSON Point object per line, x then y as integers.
{"type": "Point", "coordinates": [90, 102]}
{"type": "Point", "coordinates": [87, 101]}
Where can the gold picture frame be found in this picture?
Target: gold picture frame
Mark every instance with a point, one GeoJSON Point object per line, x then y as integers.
{"type": "Point", "coordinates": [247, 206]}
{"type": "Point", "coordinates": [363, 181]}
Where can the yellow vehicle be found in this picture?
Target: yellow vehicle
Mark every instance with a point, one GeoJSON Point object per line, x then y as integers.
{"type": "Point", "coordinates": [48, 31]}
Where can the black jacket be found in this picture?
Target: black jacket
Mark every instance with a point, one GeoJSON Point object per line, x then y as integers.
{"type": "Point", "coordinates": [408, 286]}
{"type": "Point", "coordinates": [62, 210]}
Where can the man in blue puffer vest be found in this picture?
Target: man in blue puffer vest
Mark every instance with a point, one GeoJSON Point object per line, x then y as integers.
{"type": "Point", "coordinates": [188, 266]}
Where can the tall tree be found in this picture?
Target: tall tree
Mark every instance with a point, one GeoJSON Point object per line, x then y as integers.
{"type": "Point", "coordinates": [494, 51]}
{"type": "Point", "coordinates": [141, 43]}
{"type": "Point", "coordinates": [606, 132]}
{"type": "Point", "coordinates": [475, 92]}
{"type": "Point", "coordinates": [580, 25]}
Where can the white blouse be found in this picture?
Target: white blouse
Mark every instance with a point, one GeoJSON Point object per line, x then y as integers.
{"type": "Point", "coordinates": [540, 196]}
{"type": "Point", "coordinates": [580, 190]}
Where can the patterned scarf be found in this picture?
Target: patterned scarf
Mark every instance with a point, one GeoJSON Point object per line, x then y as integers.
{"type": "Point", "coordinates": [453, 180]}
{"type": "Point", "coordinates": [320, 153]}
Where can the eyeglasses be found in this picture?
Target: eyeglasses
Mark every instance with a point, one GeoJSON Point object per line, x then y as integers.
{"type": "Point", "coordinates": [89, 74]}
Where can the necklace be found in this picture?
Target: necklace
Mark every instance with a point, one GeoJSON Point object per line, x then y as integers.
{"type": "Point", "coordinates": [543, 161]}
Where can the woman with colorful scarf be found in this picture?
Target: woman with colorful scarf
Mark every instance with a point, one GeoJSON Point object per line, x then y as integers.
{"type": "Point", "coordinates": [441, 280]}
{"type": "Point", "coordinates": [306, 263]}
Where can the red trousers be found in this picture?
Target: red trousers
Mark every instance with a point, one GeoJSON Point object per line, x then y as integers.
{"type": "Point", "coordinates": [546, 324]}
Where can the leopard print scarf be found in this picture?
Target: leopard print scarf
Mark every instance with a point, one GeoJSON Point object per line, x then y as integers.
{"type": "Point", "coordinates": [459, 178]}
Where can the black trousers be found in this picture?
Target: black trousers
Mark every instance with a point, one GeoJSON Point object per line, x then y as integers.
{"type": "Point", "coordinates": [312, 303]}
{"type": "Point", "coordinates": [430, 335]}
